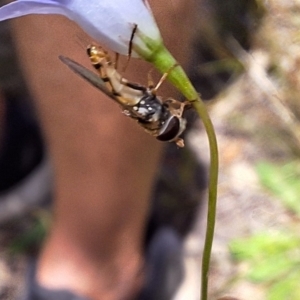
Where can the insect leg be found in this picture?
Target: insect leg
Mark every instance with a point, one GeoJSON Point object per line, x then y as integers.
{"type": "Point", "coordinates": [131, 39]}
{"type": "Point", "coordinates": [132, 85]}
{"type": "Point", "coordinates": [150, 81]}
{"type": "Point", "coordinates": [162, 79]}
{"type": "Point", "coordinates": [130, 46]}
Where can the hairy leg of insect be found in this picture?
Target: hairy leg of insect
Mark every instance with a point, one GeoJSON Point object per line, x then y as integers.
{"type": "Point", "coordinates": [163, 78]}
{"type": "Point", "coordinates": [150, 81]}
{"type": "Point", "coordinates": [187, 104]}
{"type": "Point", "coordinates": [130, 46]}
{"type": "Point", "coordinates": [177, 107]}
{"type": "Point", "coordinates": [132, 85]}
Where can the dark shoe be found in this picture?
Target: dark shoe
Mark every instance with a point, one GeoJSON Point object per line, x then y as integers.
{"type": "Point", "coordinates": [22, 147]}
{"type": "Point", "coordinates": [180, 184]}
{"type": "Point", "coordinates": [164, 272]}
{"type": "Point", "coordinates": [164, 266]}
{"type": "Point", "coordinates": [35, 292]}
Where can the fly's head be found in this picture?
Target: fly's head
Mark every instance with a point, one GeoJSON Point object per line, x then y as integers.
{"type": "Point", "coordinates": [173, 123]}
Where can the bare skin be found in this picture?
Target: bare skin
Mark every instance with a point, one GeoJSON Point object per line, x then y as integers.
{"type": "Point", "coordinates": [104, 163]}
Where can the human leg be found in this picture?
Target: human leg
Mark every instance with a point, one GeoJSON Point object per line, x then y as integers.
{"type": "Point", "coordinates": [104, 166]}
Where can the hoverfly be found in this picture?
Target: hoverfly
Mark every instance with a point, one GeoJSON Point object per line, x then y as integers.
{"type": "Point", "coordinates": [161, 118]}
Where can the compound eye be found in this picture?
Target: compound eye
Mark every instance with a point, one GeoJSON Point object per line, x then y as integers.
{"type": "Point", "coordinates": [170, 129]}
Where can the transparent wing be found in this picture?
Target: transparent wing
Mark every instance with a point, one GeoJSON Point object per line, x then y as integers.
{"type": "Point", "coordinates": [88, 75]}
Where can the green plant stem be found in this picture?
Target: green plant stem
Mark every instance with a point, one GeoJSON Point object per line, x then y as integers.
{"type": "Point", "coordinates": [164, 61]}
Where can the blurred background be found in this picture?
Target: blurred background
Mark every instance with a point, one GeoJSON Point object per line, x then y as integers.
{"type": "Point", "coordinates": [245, 65]}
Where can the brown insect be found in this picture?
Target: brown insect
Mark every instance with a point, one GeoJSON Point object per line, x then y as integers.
{"type": "Point", "coordinates": [161, 118]}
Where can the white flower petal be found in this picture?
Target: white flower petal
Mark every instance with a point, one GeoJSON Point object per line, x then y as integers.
{"type": "Point", "coordinates": [111, 21]}
{"type": "Point", "coordinates": [26, 7]}
{"type": "Point", "coordinates": [107, 21]}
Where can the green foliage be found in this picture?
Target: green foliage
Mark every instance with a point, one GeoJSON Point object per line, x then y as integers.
{"type": "Point", "coordinates": [274, 261]}
{"type": "Point", "coordinates": [283, 181]}
{"type": "Point", "coordinates": [32, 238]}
{"type": "Point", "coordinates": [273, 258]}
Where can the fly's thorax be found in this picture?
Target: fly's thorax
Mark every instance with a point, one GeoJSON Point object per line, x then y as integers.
{"type": "Point", "coordinates": [149, 109]}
